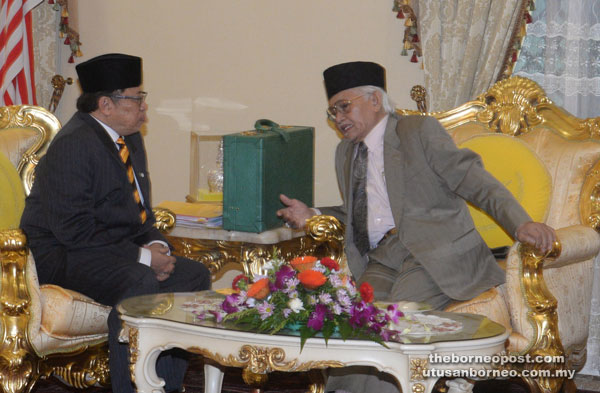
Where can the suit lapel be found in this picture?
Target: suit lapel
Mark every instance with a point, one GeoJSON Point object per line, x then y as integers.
{"type": "Point", "coordinates": [348, 174]}
{"type": "Point", "coordinates": [132, 144]}
{"type": "Point", "coordinates": [394, 169]}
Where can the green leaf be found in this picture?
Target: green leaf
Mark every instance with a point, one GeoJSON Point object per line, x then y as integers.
{"type": "Point", "coordinates": [328, 329]}
{"type": "Point", "coordinates": [345, 330]}
{"type": "Point", "coordinates": [305, 334]}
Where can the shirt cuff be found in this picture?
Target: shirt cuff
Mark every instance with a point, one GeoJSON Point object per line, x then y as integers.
{"type": "Point", "coordinates": [316, 211]}
{"type": "Point", "coordinates": [145, 254]}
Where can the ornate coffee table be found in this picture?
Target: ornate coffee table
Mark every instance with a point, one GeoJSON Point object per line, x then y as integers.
{"type": "Point", "coordinates": [154, 323]}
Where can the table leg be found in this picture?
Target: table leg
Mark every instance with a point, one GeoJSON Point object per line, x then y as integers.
{"type": "Point", "coordinates": [213, 379]}
{"type": "Point", "coordinates": [144, 369]}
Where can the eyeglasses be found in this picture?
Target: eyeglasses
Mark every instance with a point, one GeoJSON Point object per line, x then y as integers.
{"type": "Point", "coordinates": [141, 98]}
{"type": "Point", "coordinates": [342, 106]}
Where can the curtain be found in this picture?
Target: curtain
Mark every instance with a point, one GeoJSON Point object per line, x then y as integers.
{"type": "Point", "coordinates": [561, 52]}
{"type": "Point", "coordinates": [464, 44]}
{"type": "Point", "coordinates": [45, 37]}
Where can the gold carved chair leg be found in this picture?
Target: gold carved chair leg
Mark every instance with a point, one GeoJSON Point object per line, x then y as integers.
{"type": "Point", "coordinates": [20, 366]}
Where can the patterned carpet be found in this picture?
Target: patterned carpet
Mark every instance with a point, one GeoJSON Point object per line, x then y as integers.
{"type": "Point", "coordinates": [278, 383]}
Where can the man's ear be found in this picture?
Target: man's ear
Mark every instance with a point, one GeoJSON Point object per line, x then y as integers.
{"type": "Point", "coordinates": [376, 100]}
{"type": "Point", "coordinates": [105, 105]}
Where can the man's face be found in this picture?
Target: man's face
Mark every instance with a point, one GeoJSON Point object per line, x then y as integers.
{"type": "Point", "coordinates": [363, 113]}
{"type": "Point", "coordinates": [128, 115]}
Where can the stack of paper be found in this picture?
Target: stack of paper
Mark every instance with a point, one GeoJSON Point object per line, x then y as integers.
{"type": "Point", "coordinates": [196, 215]}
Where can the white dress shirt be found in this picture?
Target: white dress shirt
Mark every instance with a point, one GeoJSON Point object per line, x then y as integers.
{"type": "Point", "coordinates": [380, 218]}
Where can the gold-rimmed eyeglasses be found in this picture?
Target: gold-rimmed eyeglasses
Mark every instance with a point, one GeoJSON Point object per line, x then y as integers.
{"type": "Point", "coordinates": [140, 98]}
{"type": "Point", "coordinates": [342, 106]}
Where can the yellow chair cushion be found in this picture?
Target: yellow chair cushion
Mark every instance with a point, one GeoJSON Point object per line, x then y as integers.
{"type": "Point", "coordinates": [12, 195]}
{"type": "Point", "coordinates": [516, 166]}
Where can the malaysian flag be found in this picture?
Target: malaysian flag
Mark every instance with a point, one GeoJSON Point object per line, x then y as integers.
{"type": "Point", "coordinates": [17, 83]}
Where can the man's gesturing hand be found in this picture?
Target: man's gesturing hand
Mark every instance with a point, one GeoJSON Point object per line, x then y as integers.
{"type": "Point", "coordinates": [296, 213]}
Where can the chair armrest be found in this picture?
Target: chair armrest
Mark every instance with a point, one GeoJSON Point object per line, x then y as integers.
{"type": "Point", "coordinates": [578, 243]}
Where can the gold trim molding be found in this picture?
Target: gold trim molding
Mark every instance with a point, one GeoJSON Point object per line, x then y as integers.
{"type": "Point", "coordinates": [543, 316]}
{"type": "Point", "coordinates": [418, 366]}
{"type": "Point", "coordinates": [263, 360]}
{"type": "Point", "coordinates": [44, 123]}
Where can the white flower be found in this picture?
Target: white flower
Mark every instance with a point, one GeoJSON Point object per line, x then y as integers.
{"type": "Point", "coordinates": [296, 305]}
{"type": "Point", "coordinates": [268, 266]}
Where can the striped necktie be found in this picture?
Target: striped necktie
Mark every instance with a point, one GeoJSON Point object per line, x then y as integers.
{"type": "Point", "coordinates": [124, 154]}
{"type": "Point", "coordinates": [359, 199]}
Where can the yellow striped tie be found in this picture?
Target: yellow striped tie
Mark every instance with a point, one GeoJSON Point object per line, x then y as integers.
{"type": "Point", "coordinates": [124, 154]}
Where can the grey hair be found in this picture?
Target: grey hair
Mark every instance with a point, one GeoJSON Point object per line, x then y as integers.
{"type": "Point", "coordinates": [388, 105]}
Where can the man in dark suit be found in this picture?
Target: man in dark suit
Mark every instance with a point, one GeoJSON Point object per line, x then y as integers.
{"type": "Point", "coordinates": [404, 184]}
{"type": "Point", "coordinates": [88, 218]}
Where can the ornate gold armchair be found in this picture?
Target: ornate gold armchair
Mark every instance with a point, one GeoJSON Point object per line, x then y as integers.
{"type": "Point", "coordinates": [49, 330]}
{"type": "Point", "coordinates": [546, 300]}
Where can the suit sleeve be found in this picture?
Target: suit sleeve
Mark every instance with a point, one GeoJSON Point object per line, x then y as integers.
{"type": "Point", "coordinates": [463, 172]}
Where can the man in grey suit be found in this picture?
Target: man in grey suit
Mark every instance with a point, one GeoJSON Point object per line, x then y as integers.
{"type": "Point", "coordinates": [404, 184]}
{"type": "Point", "coordinates": [88, 218]}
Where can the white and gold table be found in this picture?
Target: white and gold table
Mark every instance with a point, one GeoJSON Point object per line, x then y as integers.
{"type": "Point", "coordinates": [155, 323]}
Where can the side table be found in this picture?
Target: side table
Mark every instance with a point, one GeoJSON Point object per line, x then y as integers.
{"type": "Point", "coordinates": [217, 248]}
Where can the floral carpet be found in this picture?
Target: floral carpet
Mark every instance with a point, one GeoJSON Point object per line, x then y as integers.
{"type": "Point", "coordinates": [279, 382]}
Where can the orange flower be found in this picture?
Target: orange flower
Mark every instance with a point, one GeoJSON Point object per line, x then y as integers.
{"type": "Point", "coordinates": [303, 263]}
{"type": "Point", "coordinates": [312, 279]}
{"type": "Point", "coordinates": [260, 289]}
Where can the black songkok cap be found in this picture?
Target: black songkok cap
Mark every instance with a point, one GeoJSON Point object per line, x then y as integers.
{"type": "Point", "coordinates": [354, 74]}
{"type": "Point", "coordinates": [110, 72]}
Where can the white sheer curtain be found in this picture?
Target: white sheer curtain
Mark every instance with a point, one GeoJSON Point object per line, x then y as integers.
{"type": "Point", "coordinates": [561, 52]}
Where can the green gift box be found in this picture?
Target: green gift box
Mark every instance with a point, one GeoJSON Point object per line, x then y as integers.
{"type": "Point", "coordinates": [259, 165]}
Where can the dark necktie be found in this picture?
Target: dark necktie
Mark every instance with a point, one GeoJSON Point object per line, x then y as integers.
{"type": "Point", "coordinates": [124, 154]}
{"type": "Point", "coordinates": [359, 199]}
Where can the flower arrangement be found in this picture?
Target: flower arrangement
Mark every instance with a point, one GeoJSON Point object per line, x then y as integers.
{"type": "Point", "coordinates": [311, 295]}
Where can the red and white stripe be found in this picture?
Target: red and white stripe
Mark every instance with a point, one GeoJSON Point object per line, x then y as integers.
{"type": "Point", "coordinates": [17, 82]}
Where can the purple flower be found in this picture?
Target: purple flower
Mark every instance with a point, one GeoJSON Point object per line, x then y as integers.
{"type": "Point", "coordinates": [336, 280]}
{"type": "Point", "coordinates": [287, 312]}
{"type": "Point", "coordinates": [283, 275]}
{"type": "Point", "coordinates": [325, 298]}
{"type": "Point", "coordinates": [291, 285]}
{"type": "Point", "coordinates": [386, 334]}
{"type": "Point", "coordinates": [218, 315]}
{"type": "Point", "coordinates": [317, 317]}
{"type": "Point", "coordinates": [393, 313]}
{"type": "Point", "coordinates": [343, 298]}
{"type": "Point", "coordinates": [337, 309]}
{"type": "Point", "coordinates": [265, 310]}
{"type": "Point", "coordinates": [231, 303]}
{"type": "Point", "coordinates": [361, 314]}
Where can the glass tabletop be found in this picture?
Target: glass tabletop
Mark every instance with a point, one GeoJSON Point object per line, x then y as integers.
{"type": "Point", "coordinates": [186, 308]}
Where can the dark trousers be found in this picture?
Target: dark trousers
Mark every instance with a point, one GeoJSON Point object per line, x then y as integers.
{"type": "Point", "coordinates": [135, 279]}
